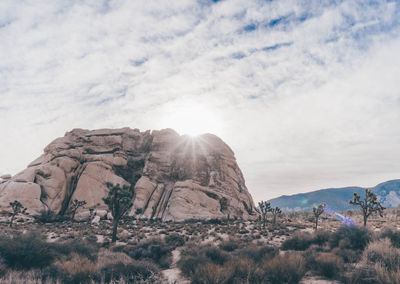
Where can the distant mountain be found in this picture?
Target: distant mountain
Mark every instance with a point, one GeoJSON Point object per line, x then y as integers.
{"type": "Point", "coordinates": [338, 198]}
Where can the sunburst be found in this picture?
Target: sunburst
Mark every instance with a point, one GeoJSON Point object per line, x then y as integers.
{"type": "Point", "coordinates": [192, 118]}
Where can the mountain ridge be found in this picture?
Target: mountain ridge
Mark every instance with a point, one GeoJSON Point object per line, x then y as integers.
{"type": "Point", "coordinates": [388, 193]}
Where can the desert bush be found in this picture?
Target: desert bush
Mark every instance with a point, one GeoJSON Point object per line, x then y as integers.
{"type": "Point", "coordinates": [300, 241]}
{"type": "Point", "coordinates": [211, 273]}
{"type": "Point", "coordinates": [81, 247]}
{"type": "Point", "coordinates": [48, 216]}
{"type": "Point", "coordinates": [119, 267]}
{"type": "Point", "coordinates": [242, 270]}
{"type": "Point", "coordinates": [131, 272]}
{"type": "Point", "coordinates": [216, 255]}
{"type": "Point", "coordinates": [25, 251]}
{"type": "Point", "coordinates": [189, 264]}
{"type": "Point", "coordinates": [350, 238]}
{"type": "Point", "coordinates": [257, 253]}
{"type": "Point", "coordinates": [288, 268]}
{"type": "Point", "coordinates": [77, 269]}
{"type": "Point", "coordinates": [106, 257]}
{"type": "Point", "coordinates": [394, 237]}
{"type": "Point", "coordinates": [153, 249]}
{"type": "Point", "coordinates": [212, 221]}
{"type": "Point", "coordinates": [230, 245]}
{"type": "Point", "coordinates": [33, 276]}
{"type": "Point", "coordinates": [386, 276]}
{"type": "Point", "coordinates": [175, 240]}
{"type": "Point", "coordinates": [194, 257]}
{"type": "Point", "coordinates": [384, 253]}
{"type": "Point", "coordinates": [359, 274]}
{"type": "Point", "coordinates": [328, 264]}
{"type": "Point", "coordinates": [320, 237]}
{"type": "Point", "coordinates": [348, 255]}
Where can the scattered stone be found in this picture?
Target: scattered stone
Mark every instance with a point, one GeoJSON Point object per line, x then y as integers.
{"type": "Point", "coordinates": [96, 220]}
{"type": "Point", "coordinates": [109, 216]}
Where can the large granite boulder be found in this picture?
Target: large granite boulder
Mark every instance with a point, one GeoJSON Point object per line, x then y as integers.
{"type": "Point", "coordinates": [174, 177]}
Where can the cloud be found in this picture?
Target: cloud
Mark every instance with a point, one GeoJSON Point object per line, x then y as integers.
{"type": "Point", "coordinates": [307, 89]}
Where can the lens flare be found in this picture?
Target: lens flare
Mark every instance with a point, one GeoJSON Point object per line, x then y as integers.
{"type": "Point", "coordinates": [345, 220]}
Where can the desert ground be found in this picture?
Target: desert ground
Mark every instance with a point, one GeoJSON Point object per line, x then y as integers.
{"type": "Point", "coordinates": [50, 250]}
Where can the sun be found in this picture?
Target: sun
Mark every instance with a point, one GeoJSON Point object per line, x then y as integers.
{"type": "Point", "coordinates": [192, 118]}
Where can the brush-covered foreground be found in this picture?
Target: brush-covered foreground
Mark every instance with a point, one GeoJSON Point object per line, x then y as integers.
{"type": "Point", "coordinates": [215, 251]}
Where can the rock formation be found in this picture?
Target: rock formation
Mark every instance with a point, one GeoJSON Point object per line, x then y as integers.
{"type": "Point", "coordinates": [174, 177]}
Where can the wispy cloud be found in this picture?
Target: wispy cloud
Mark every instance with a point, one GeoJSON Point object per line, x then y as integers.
{"type": "Point", "coordinates": [308, 90]}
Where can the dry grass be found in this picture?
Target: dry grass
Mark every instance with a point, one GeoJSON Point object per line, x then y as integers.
{"type": "Point", "coordinates": [387, 276]}
{"type": "Point", "coordinates": [328, 264]}
{"type": "Point", "coordinates": [384, 253]}
{"type": "Point", "coordinates": [107, 257]}
{"type": "Point", "coordinates": [288, 268]}
{"type": "Point", "coordinates": [211, 273]}
{"type": "Point", "coordinates": [78, 269]}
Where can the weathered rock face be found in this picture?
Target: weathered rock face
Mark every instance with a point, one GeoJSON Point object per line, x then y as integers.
{"type": "Point", "coordinates": [174, 177]}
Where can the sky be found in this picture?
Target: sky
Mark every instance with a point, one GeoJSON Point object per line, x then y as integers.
{"type": "Point", "coordinates": [306, 93]}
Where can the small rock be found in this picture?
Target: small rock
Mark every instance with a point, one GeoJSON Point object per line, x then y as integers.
{"type": "Point", "coordinates": [82, 216]}
{"type": "Point", "coordinates": [101, 213]}
{"type": "Point", "coordinates": [109, 216]}
{"type": "Point", "coordinates": [96, 220]}
{"type": "Point", "coordinates": [124, 235]}
{"type": "Point", "coordinates": [7, 176]}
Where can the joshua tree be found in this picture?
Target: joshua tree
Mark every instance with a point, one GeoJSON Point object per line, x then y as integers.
{"type": "Point", "coordinates": [119, 201]}
{"type": "Point", "coordinates": [369, 205]}
{"type": "Point", "coordinates": [74, 207]}
{"type": "Point", "coordinates": [17, 208]}
{"type": "Point", "coordinates": [265, 207]}
{"type": "Point", "coordinates": [317, 212]}
{"type": "Point", "coordinates": [275, 212]}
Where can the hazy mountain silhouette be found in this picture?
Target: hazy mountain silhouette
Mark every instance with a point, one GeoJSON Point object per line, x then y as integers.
{"type": "Point", "coordinates": [338, 198]}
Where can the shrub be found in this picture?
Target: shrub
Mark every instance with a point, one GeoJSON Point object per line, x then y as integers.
{"type": "Point", "coordinates": [189, 264]}
{"type": "Point", "coordinates": [81, 247]}
{"type": "Point", "coordinates": [350, 238]}
{"type": "Point", "coordinates": [328, 264]}
{"type": "Point", "coordinates": [211, 273]}
{"type": "Point", "coordinates": [155, 250]}
{"type": "Point", "coordinates": [48, 216]}
{"type": "Point", "coordinates": [229, 245]}
{"type": "Point", "coordinates": [78, 269]}
{"type": "Point", "coordinates": [132, 272]}
{"type": "Point", "coordinates": [384, 253]}
{"type": "Point", "coordinates": [257, 254]}
{"type": "Point", "coordinates": [106, 257]}
{"type": "Point", "coordinates": [194, 257]}
{"type": "Point", "coordinates": [216, 255]}
{"type": "Point", "coordinates": [25, 251]}
{"type": "Point", "coordinates": [289, 268]}
{"type": "Point", "coordinates": [360, 274]}
{"type": "Point", "coordinates": [386, 276]}
{"type": "Point", "coordinates": [242, 270]}
{"type": "Point", "coordinates": [299, 241]}
{"type": "Point", "coordinates": [348, 255]}
{"type": "Point", "coordinates": [320, 237]}
{"type": "Point", "coordinates": [175, 240]}
{"type": "Point", "coordinates": [212, 221]}
{"type": "Point", "coordinates": [394, 237]}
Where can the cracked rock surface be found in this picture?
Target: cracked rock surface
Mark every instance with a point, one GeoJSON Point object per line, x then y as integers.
{"type": "Point", "coordinates": [174, 177]}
